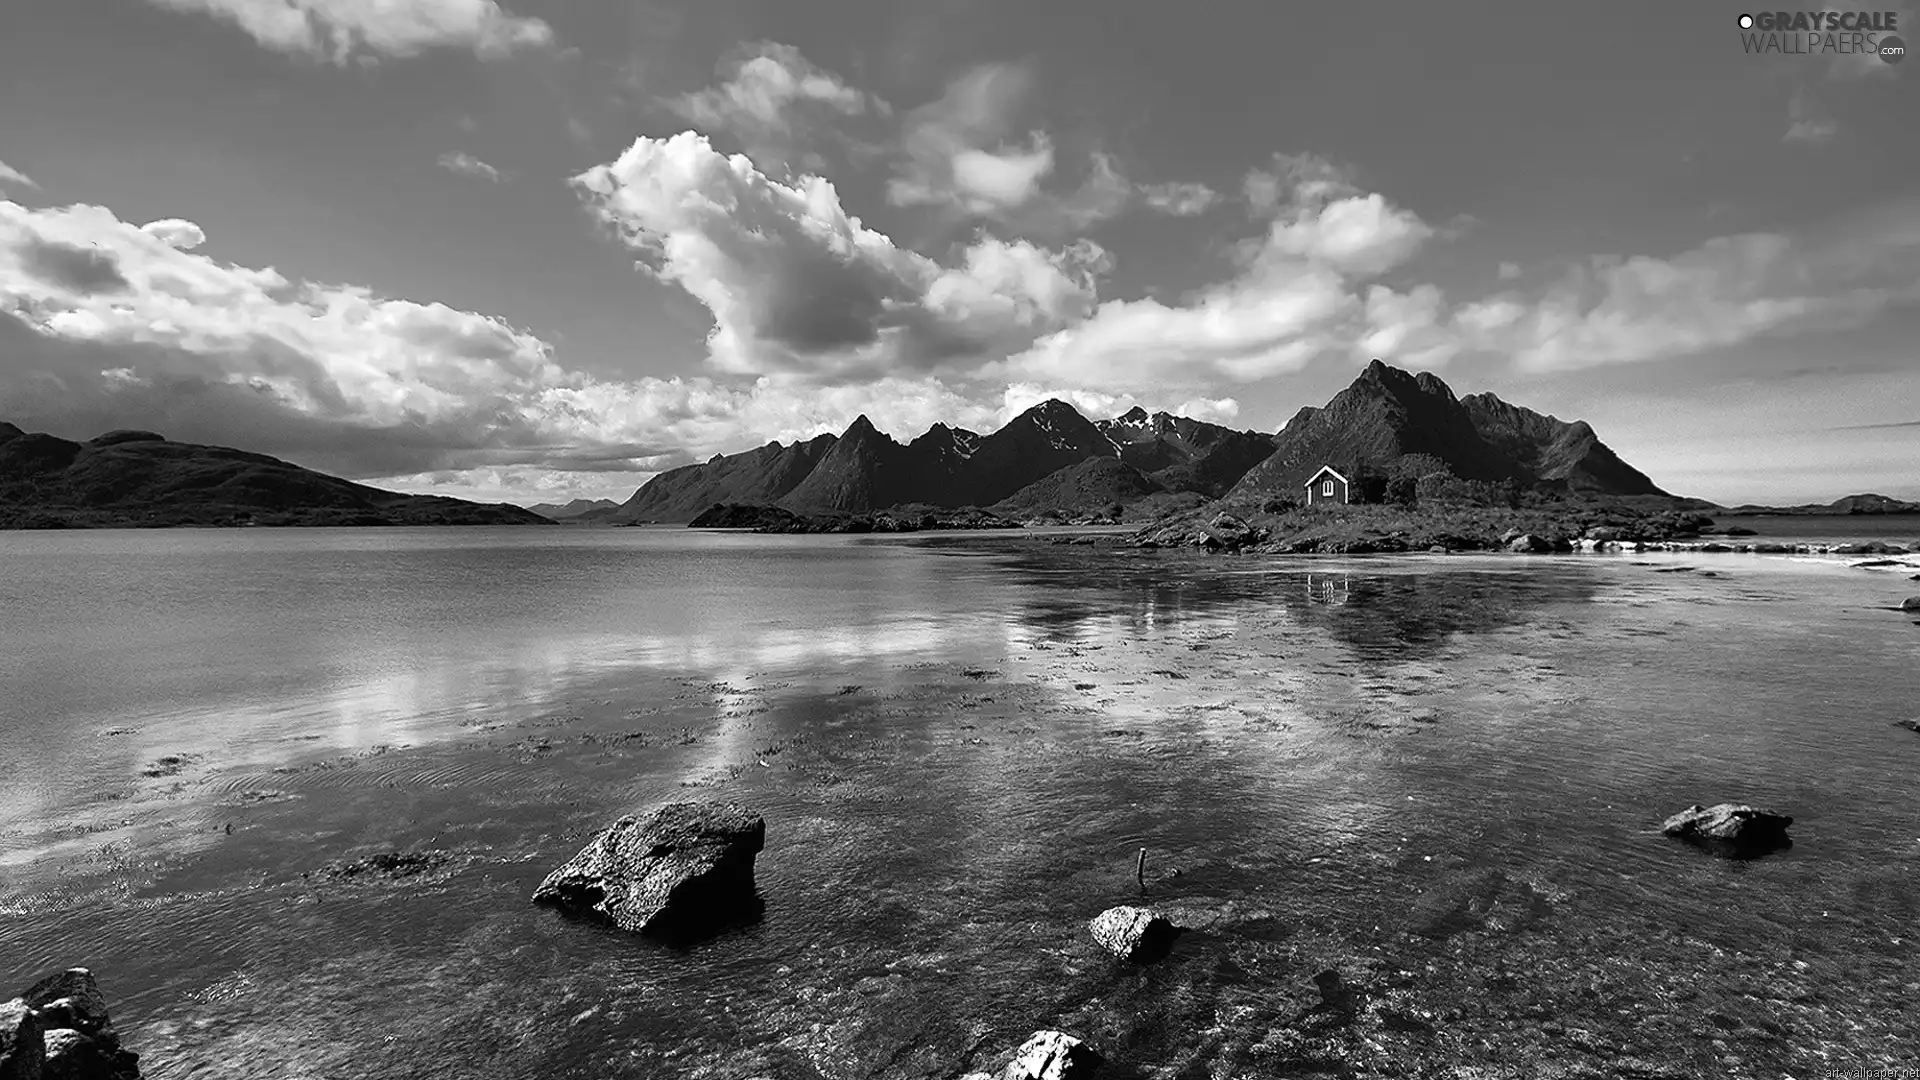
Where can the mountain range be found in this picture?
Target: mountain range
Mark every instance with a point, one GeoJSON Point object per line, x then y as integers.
{"type": "Point", "coordinates": [138, 478]}
{"type": "Point", "coordinates": [1050, 457]}
{"type": "Point", "coordinates": [576, 508]}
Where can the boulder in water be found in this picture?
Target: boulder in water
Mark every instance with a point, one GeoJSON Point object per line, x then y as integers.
{"type": "Point", "coordinates": [1911, 603]}
{"type": "Point", "coordinates": [684, 871]}
{"type": "Point", "coordinates": [1134, 933]}
{"type": "Point", "coordinates": [1528, 544]}
{"type": "Point", "coordinates": [1052, 1055]}
{"type": "Point", "coordinates": [1730, 828]}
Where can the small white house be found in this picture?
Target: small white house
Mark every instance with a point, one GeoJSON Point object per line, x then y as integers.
{"type": "Point", "coordinates": [1328, 486]}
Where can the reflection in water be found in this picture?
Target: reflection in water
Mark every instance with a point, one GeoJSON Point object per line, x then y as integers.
{"type": "Point", "coordinates": [1352, 765]}
{"type": "Point", "coordinates": [1393, 611]}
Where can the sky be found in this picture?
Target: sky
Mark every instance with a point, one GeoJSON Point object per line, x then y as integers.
{"type": "Point", "coordinates": [534, 250]}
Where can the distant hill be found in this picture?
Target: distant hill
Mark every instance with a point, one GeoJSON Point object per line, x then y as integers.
{"type": "Point", "coordinates": [1850, 504]}
{"type": "Point", "coordinates": [140, 479]}
{"type": "Point", "coordinates": [1387, 415]}
{"type": "Point", "coordinates": [574, 509]}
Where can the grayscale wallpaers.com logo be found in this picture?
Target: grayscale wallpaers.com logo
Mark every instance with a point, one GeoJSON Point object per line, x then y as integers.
{"type": "Point", "coordinates": [1814, 32]}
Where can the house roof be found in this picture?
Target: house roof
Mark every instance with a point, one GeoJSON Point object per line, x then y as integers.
{"type": "Point", "coordinates": [1324, 469]}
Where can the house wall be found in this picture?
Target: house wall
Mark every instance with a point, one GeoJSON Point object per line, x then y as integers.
{"type": "Point", "coordinates": [1314, 496]}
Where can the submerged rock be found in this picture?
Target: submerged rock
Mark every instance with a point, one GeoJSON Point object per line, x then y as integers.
{"type": "Point", "coordinates": [1052, 1055]}
{"type": "Point", "coordinates": [684, 871]}
{"type": "Point", "coordinates": [1730, 828]}
{"type": "Point", "coordinates": [1134, 933]}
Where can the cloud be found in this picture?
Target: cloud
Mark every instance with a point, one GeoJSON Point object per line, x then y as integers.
{"type": "Point", "coordinates": [11, 175]}
{"type": "Point", "coordinates": [797, 285]}
{"type": "Point", "coordinates": [1180, 199]}
{"type": "Point", "coordinates": [969, 154]}
{"type": "Point", "coordinates": [1359, 234]}
{"type": "Point", "coordinates": [772, 95]}
{"type": "Point", "coordinates": [175, 233]}
{"type": "Point", "coordinates": [964, 150]}
{"type": "Point", "coordinates": [1807, 121]}
{"type": "Point", "coordinates": [106, 324]}
{"type": "Point", "coordinates": [1727, 291]}
{"type": "Point", "coordinates": [83, 271]}
{"type": "Point", "coordinates": [1295, 180]}
{"type": "Point", "coordinates": [467, 165]}
{"type": "Point", "coordinates": [1509, 271]}
{"type": "Point", "coordinates": [1300, 293]}
{"type": "Point", "coordinates": [341, 30]}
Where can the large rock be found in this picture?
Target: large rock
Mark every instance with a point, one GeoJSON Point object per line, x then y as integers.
{"type": "Point", "coordinates": [1730, 828]}
{"type": "Point", "coordinates": [1134, 933]}
{"type": "Point", "coordinates": [72, 1055]}
{"type": "Point", "coordinates": [1052, 1055]}
{"type": "Point", "coordinates": [1911, 603]}
{"type": "Point", "coordinates": [23, 1053]}
{"type": "Point", "coordinates": [70, 999]}
{"type": "Point", "coordinates": [683, 871]}
{"type": "Point", "coordinates": [1527, 543]}
{"type": "Point", "coordinates": [64, 1034]}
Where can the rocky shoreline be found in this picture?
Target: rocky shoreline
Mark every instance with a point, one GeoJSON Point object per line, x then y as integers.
{"type": "Point", "coordinates": [1364, 530]}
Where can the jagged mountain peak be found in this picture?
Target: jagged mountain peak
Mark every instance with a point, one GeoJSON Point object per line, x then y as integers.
{"type": "Point", "coordinates": [1387, 414]}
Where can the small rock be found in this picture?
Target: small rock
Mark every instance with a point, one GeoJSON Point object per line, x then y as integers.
{"type": "Point", "coordinates": [23, 1051]}
{"type": "Point", "coordinates": [1052, 1055]}
{"type": "Point", "coordinates": [1730, 828]}
{"type": "Point", "coordinates": [1333, 989]}
{"type": "Point", "coordinates": [1910, 725]}
{"type": "Point", "coordinates": [686, 870]}
{"type": "Point", "coordinates": [1134, 933]}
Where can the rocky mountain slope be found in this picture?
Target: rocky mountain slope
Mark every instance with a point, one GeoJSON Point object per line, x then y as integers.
{"type": "Point", "coordinates": [1045, 458]}
{"type": "Point", "coordinates": [1388, 414]}
{"type": "Point", "coordinates": [1183, 454]}
{"type": "Point", "coordinates": [138, 478]}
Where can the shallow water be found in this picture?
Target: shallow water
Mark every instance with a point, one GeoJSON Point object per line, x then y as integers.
{"type": "Point", "coordinates": [1442, 775]}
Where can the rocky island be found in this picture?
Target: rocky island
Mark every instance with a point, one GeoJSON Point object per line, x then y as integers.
{"type": "Point", "coordinates": [138, 479]}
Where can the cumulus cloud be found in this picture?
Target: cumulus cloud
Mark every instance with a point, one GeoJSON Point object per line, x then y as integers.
{"type": "Point", "coordinates": [106, 324]}
{"type": "Point", "coordinates": [342, 30]}
{"type": "Point", "coordinates": [11, 175]}
{"type": "Point", "coordinates": [1727, 291]}
{"type": "Point", "coordinates": [771, 95]}
{"type": "Point", "coordinates": [1180, 198]}
{"type": "Point", "coordinates": [796, 284]}
{"type": "Point", "coordinates": [1300, 293]}
{"type": "Point", "coordinates": [175, 233]}
{"type": "Point", "coordinates": [970, 154]}
{"type": "Point", "coordinates": [467, 165]}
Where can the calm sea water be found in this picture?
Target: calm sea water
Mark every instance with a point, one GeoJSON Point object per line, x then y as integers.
{"type": "Point", "coordinates": [1835, 528]}
{"type": "Point", "coordinates": [1443, 776]}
